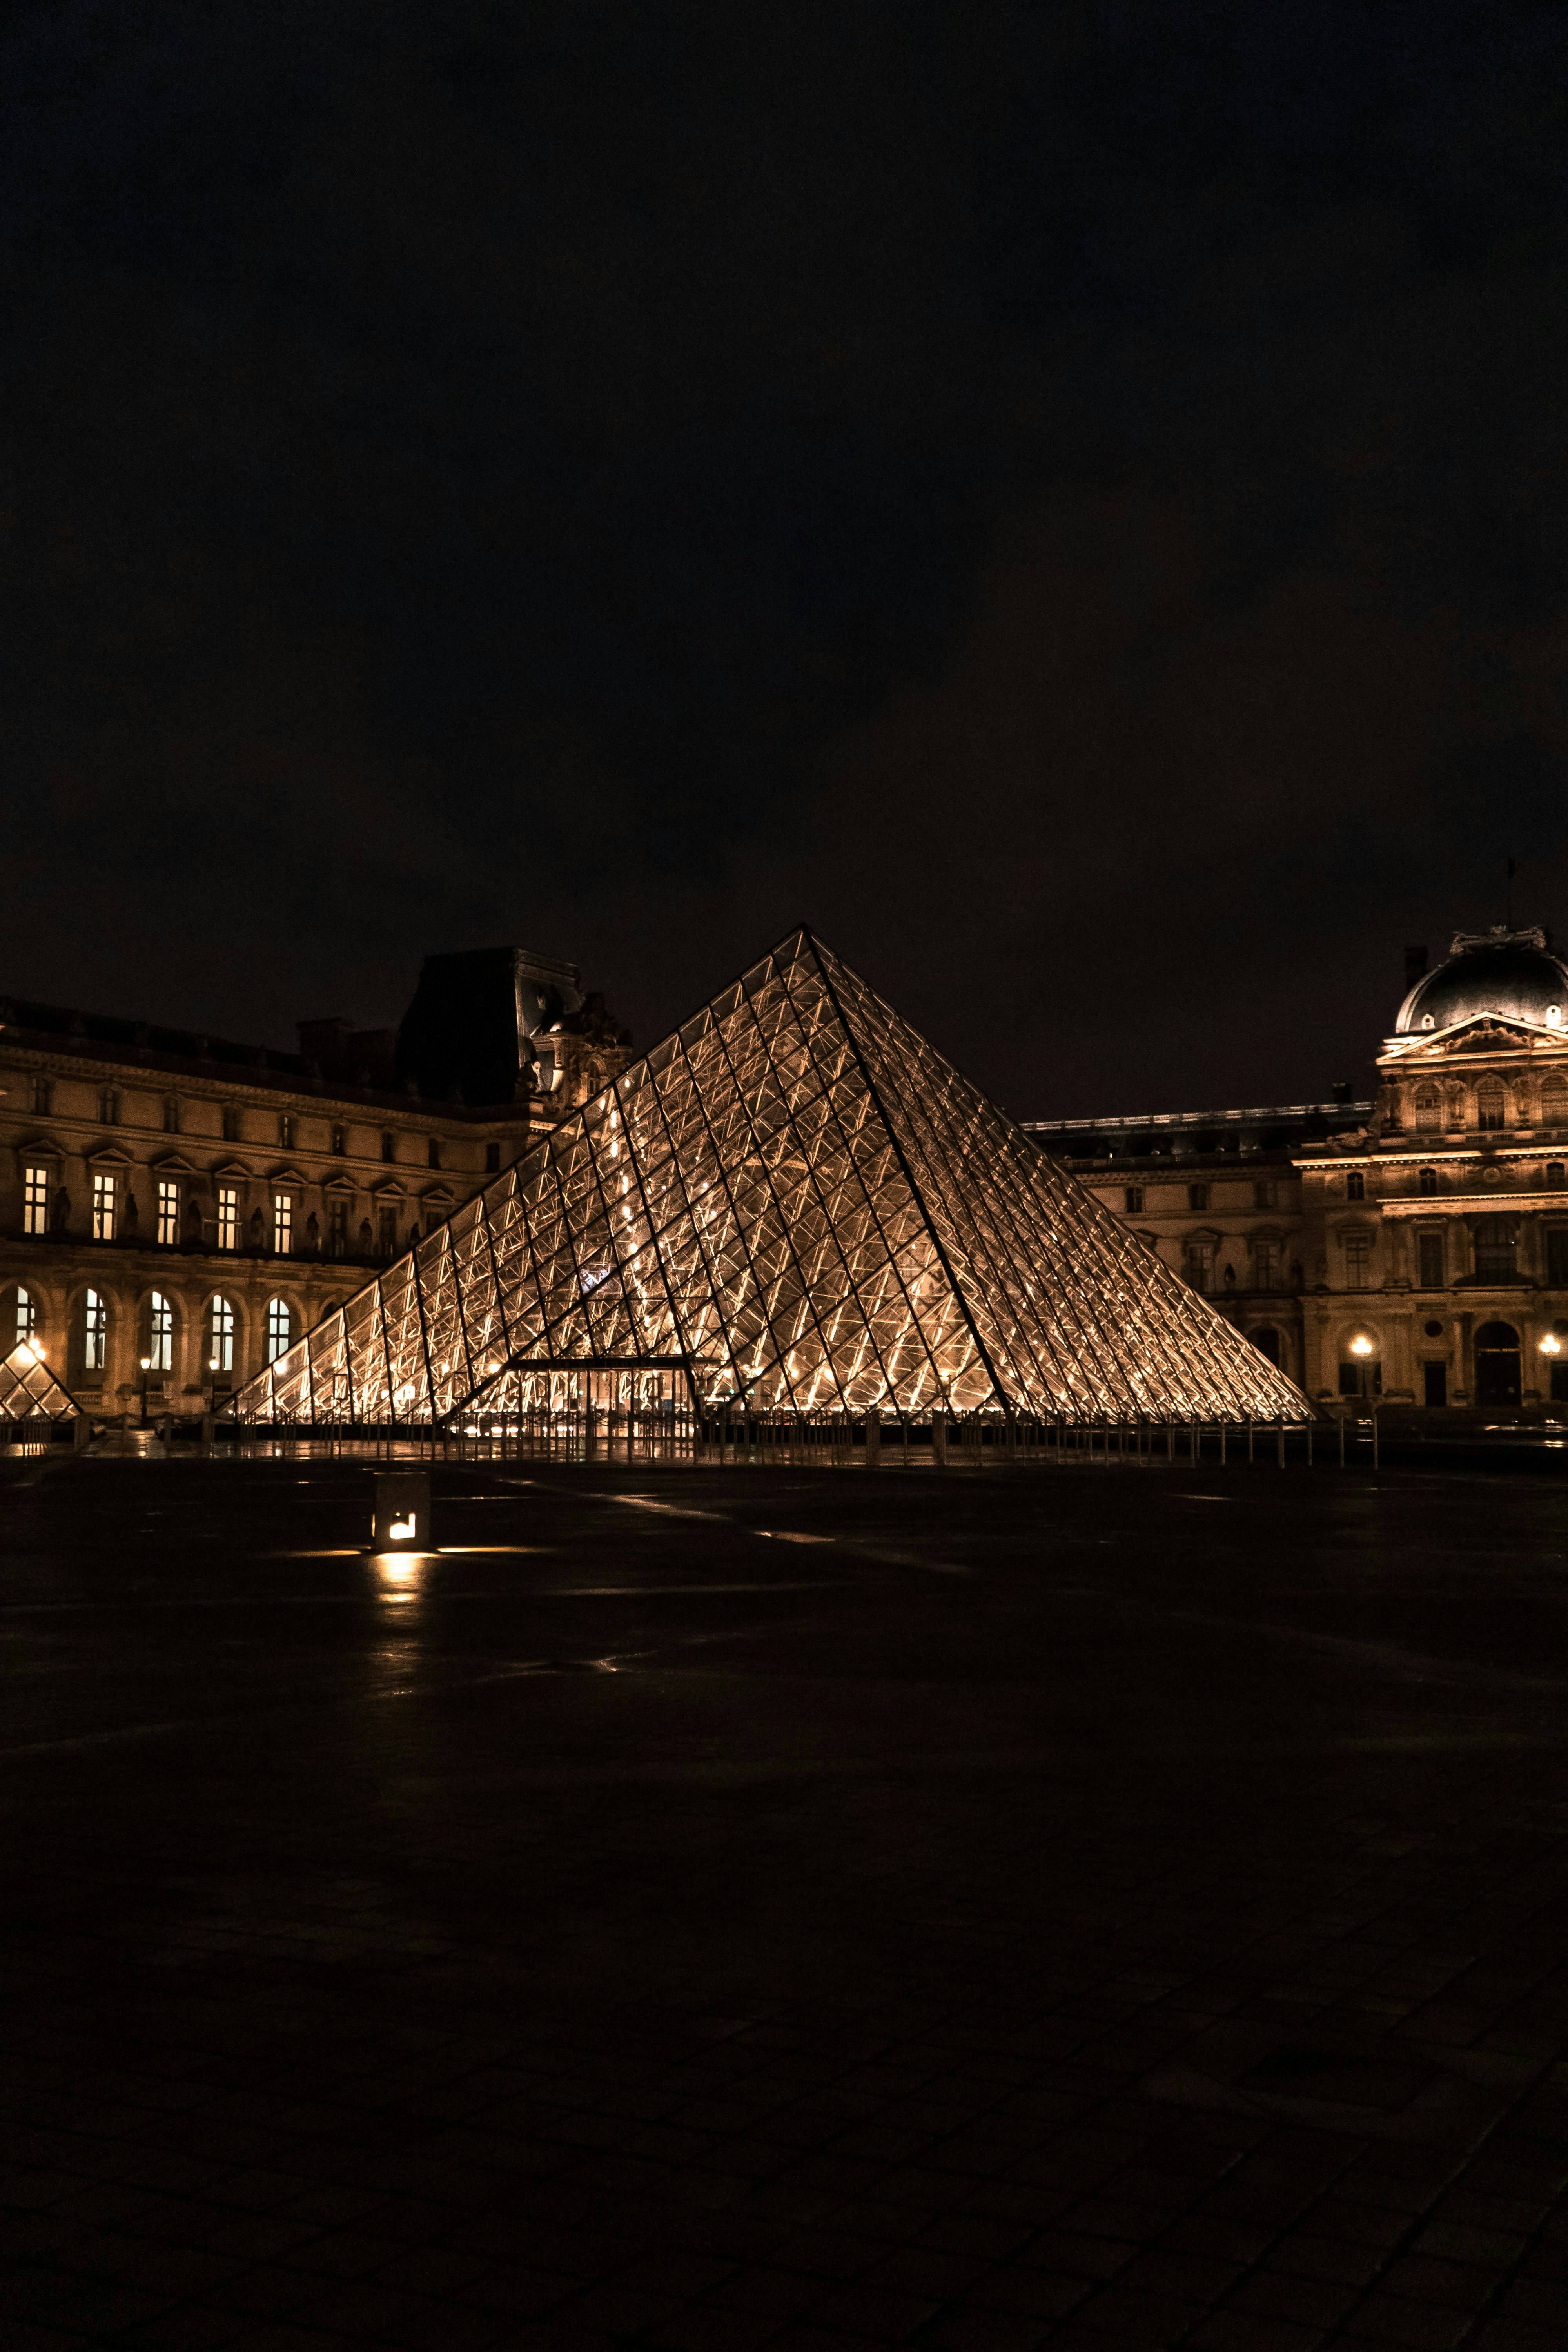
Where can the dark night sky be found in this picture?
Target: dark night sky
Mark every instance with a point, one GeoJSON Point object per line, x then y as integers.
{"type": "Point", "coordinates": [1070, 501]}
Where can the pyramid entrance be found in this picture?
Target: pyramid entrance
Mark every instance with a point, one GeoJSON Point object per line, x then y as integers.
{"type": "Point", "coordinates": [792, 1205]}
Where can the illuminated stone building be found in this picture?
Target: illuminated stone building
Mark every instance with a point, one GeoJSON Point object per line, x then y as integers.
{"type": "Point", "coordinates": [1412, 1248]}
{"type": "Point", "coordinates": [198, 1203]}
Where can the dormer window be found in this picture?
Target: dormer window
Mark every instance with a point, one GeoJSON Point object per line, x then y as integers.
{"type": "Point", "coordinates": [1427, 1022]}
{"type": "Point", "coordinates": [1555, 1016]}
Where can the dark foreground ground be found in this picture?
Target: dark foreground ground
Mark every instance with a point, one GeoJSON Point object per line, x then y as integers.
{"type": "Point", "coordinates": [1074, 1908]}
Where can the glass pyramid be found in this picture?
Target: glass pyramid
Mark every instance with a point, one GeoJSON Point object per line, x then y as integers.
{"type": "Point", "coordinates": [795, 1204]}
{"type": "Point", "coordinates": [28, 1390]}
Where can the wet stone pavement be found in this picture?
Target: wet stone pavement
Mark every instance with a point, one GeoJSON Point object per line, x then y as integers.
{"type": "Point", "coordinates": [707, 1909]}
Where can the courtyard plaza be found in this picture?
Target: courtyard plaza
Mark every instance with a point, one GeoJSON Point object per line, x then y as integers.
{"type": "Point", "coordinates": [703, 1908]}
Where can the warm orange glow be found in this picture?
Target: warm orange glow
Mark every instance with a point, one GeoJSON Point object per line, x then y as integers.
{"type": "Point", "coordinates": [1361, 1345]}
{"type": "Point", "coordinates": [1551, 1345]}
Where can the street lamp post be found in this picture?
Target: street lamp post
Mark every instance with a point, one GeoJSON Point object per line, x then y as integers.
{"type": "Point", "coordinates": [1361, 1349]}
{"type": "Point", "coordinates": [146, 1368]}
{"type": "Point", "coordinates": [1551, 1349]}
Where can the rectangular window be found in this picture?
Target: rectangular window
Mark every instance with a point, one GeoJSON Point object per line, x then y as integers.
{"type": "Point", "coordinates": [338, 1227]}
{"type": "Point", "coordinates": [1355, 1185]}
{"type": "Point", "coordinates": [1132, 1199]}
{"type": "Point", "coordinates": [1197, 1196]}
{"type": "Point", "coordinates": [435, 1151]}
{"type": "Point", "coordinates": [1557, 1255]}
{"type": "Point", "coordinates": [285, 1130]}
{"type": "Point", "coordinates": [172, 1116]}
{"type": "Point", "coordinates": [283, 1223]}
{"type": "Point", "coordinates": [95, 1352]}
{"type": "Point", "coordinates": [1263, 1192]}
{"type": "Point", "coordinates": [1429, 1267]}
{"type": "Point", "coordinates": [340, 1140]}
{"type": "Point", "coordinates": [1427, 1180]}
{"type": "Point", "coordinates": [103, 1196]}
{"type": "Point", "coordinates": [228, 1217]}
{"type": "Point", "coordinates": [1200, 1266]}
{"type": "Point", "coordinates": [230, 1124]}
{"type": "Point", "coordinates": [1358, 1260]}
{"type": "Point", "coordinates": [389, 1147]}
{"type": "Point", "coordinates": [1434, 1383]}
{"type": "Point", "coordinates": [160, 1334]}
{"type": "Point", "coordinates": [1489, 1106]}
{"type": "Point", "coordinates": [1495, 1252]}
{"type": "Point", "coordinates": [41, 1095]}
{"type": "Point", "coordinates": [26, 1317]}
{"type": "Point", "coordinates": [492, 1158]}
{"type": "Point", "coordinates": [1559, 1381]}
{"type": "Point", "coordinates": [1268, 1265]}
{"type": "Point", "coordinates": [109, 1106]}
{"type": "Point", "coordinates": [387, 1220]}
{"type": "Point", "coordinates": [34, 1200]}
{"type": "Point", "coordinates": [168, 1213]}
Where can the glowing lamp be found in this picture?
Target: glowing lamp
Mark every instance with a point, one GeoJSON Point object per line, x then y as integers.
{"type": "Point", "coordinates": [146, 1363]}
{"type": "Point", "coordinates": [1551, 1345]}
{"type": "Point", "coordinates": [1361, 1345]}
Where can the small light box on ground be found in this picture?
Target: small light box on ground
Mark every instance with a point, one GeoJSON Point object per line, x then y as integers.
{"type": "Point", "coordinates": [402, 1517]}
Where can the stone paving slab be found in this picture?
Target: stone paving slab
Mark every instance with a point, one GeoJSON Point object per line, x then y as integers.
{"type": "Point", "coordinates": [1071, 1908]}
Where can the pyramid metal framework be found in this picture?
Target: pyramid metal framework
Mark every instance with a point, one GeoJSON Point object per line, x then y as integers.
{"type": "Point", "coordinates": [29, 1391]}
{"type": "Point", "coordinates": [796, 1204]}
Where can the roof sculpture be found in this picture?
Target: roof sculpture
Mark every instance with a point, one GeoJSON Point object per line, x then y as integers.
{"type": "Point", "coordinates": [797, 1198]}
{"type": "Point", "coordinates": [29, 1391]}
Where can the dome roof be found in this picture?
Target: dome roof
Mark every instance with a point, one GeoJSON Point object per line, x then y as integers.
{"type": "Point", "coordinates": [1512, 972]}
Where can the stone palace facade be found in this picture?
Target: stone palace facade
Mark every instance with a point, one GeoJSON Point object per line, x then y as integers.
{"type": "Point", "coordinates": [175, 1209]}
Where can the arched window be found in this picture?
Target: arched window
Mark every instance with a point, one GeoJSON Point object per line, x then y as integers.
{"type": "Point", "coordinates": [279, 1328]}
{"type": "Point", "coordinates": [220, 1338]}
{"type": "Point", "coordinates": [1492, 1103]}
{"type": "Point", "coordinates": [1554, 1100]}
{"type": "Point", "coordinates": [1497, 1364]}
{"type": "Point", "coordinates": [1427, 1180]}
{"type": "Point", "coordinates": [1429, 1106]}
{"type": "Point", "coordinates": [95, 1337]}
{"type": "Point", "coordinates": [160, 1334]}
{"type": "Point", "coordinates": [26, 1317]}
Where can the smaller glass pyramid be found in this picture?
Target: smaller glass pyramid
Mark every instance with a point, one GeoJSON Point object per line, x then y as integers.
{"type": "Point", "coordinates": [28, 1389]}
{"type": "Point", "coordinates": [795, 1202]}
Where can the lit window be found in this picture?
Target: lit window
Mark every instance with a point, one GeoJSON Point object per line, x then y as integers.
{"type": "Point", "coordinates": [26, 1316]}
{"type": "Point", "coordinates": [1200, 1264]}
{"type": "Point", "coordinates": [279, 1328]}
{"type": "Point", "coordinates": [340, 1140]}
{"type": "Point", "coordinates": [283, 1223]}
{"type": "Point", "coordinates": [168, 1212]}
{"type": "Point", "coordinates": [1491, 1104]}
{"type": "Point", "coordinates": [228, 1217]}
{"type": "Point", "coordinates": [1358, 1260]}
{"type": "Point", "coordinates": [1355, 1185]}
{"type": "Point", "coordinates": [1427, 1180]}
{"type": "Point", "coordinates": [1133, 1200]}
{"type": "Point", "coordinates": [1197, 1196]}
{"type": "Point", "coordinates": [285, 1130]}
{"type": "Point", "coordinates": [36, 1199]}
{"type": "Point", "coordinates": [220, 1337]}
{"type": "Point", "coordinates": [160, 1334]}
{"type": "Point", "coordinates": [104, 1189]}
{"type": "Point", "coordinates": [95, 1352]}
{"type": "Point", "coordinates": [41, 1094]}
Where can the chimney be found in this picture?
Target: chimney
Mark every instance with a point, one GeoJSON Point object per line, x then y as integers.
{"type": "Point", "coordinates": [1415, 965]}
